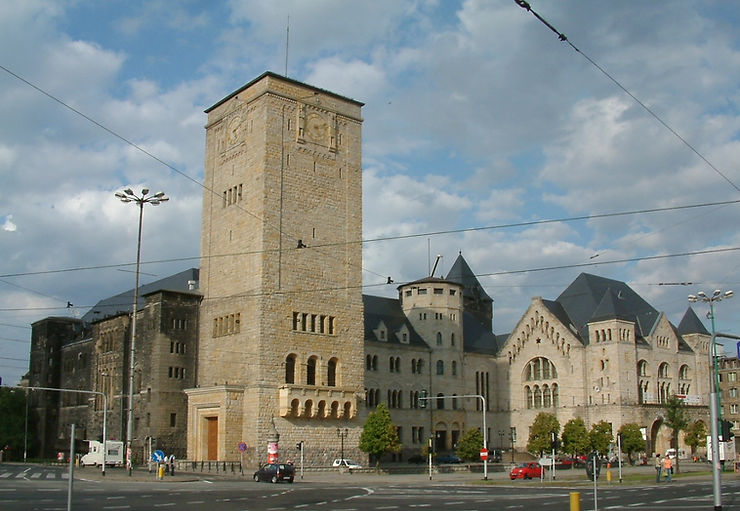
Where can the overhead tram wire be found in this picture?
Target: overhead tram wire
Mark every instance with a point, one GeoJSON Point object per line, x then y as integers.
{"type": "Point", "coordinates": [489, 274]}
{"type": "Point", "coordinates": [387, 238]}
{"type": "Point", "coordinates": [521, 3]}
{"type": "Point", "coordinates": [562, 37]}
{"type": "Point", "coordinates": [278, 229]}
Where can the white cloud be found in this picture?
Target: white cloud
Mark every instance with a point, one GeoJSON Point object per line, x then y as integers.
{"type": "Point", "coordinates": [8, 224]}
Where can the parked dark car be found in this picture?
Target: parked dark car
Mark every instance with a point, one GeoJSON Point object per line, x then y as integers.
{"type": "Point", "coordinates": [275, 472]}
{"type": "Point", "coordinates": [447, 459]}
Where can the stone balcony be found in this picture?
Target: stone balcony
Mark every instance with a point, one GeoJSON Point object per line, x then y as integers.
{"type": "Point", "coordinates": [314, 402]}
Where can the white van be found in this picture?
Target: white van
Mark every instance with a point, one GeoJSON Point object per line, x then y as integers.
{"type": "Point", "coordinates": [114, 456]}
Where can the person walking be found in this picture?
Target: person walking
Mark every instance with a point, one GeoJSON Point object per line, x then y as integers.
{"type": "Point", "coordinates": [658, 467]}
{"type": "Point", "coordinates": [668, 468]}
{"type": "Point", "coordinates": [172, 464]}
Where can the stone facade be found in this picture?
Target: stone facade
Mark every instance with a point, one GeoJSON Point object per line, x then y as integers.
{"type": "Point", "coordinates": [279, 339]}
{"type": "Point", "coordinates": [73, 355]}
{"type": "Point", "coordinates": [729, 395]}
{"type": "Point", "coordinates": [281, 322]}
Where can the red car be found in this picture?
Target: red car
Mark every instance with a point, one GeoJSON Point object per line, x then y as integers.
{"type": "Point", "coordinates": [526, 471]}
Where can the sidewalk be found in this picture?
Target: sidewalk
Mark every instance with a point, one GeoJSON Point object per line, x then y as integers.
{"type": "Point", "coordinates": [496, 475]}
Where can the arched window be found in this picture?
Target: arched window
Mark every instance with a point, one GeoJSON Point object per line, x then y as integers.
{"type": "Point", "coordinates": [530, 402]}
{"type": "Point", "coordinates": [331, 372]}
{"type": "Point", "coordinates": [311, 371]}
{"type": "Point", "coordinates": [454, 368]}
{"type": "Point", "coordinates": [391, 364]}
{"type": "Point", "coordinates": [439, 338]}
{"type": "Point", "coordinates": [290, 369]}
{"type": "Point", "coordinates": [663, 370]}
{"type": "Point", "coordinates": [413, 366]}
{"type": "Point", "coordinates": [537, 397]}
{"type": "Point", "coordinates": [440, 367]}
{"type": "Point", "coordinates": [642, 368]}
{"type": "Point", "coordinates": [555, 395]}
{"type": "Point", "coordinates": [546, 397]}
{"type": "Point", "coordinates": [452, 339]}
{"type": "Point", "coordinates": [684, 372]}
{"type": "Point", "coordinates": [440, 402]}
{"type": "Point", "coordinates": [454, 401]}
{"type": "Point", "coordinates": [375, 362]}
{"type": "Point", "coordinates": [398, 364]}
{"type": "Point", "coordinates": [368, 362]}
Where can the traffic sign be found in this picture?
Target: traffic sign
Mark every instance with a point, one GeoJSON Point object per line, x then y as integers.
{"type": "Point", "coordinates": [484, 454]}
{"type": "Point", "coordinates": [242, 446]}
{"type": "Point", "coordinates": [158, 456]}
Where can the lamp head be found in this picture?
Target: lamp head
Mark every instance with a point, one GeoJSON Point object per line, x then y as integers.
{"type": "Point", "coordinates": [729, 294]}
{"type": "Point", "coordinates": [701, 294]}
{"type": "Point", "coordinates": [693, 298]}
{"type": "Point", "coordinates": [128, 191]}
{"type": "Point", "coordinates": [144, 191]}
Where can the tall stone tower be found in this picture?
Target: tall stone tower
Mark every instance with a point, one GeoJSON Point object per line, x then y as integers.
{"type": "Point", "coordinates": [281, 335]}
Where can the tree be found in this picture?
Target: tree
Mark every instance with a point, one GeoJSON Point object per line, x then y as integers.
{"type": "Point", "coordinates": [676, 420]}
{"type": "Point", "coordinates": [600, 437]}
{"type": "Point", "coordinates": [695, 436]}
{"type": "Point", "coordinates": [469, 446]}
{"type": "Point", "coordinates": [632, 440]}
{"type": "Point", "coordinates": [379, 435]}
{"type": "Point", "coordinates": [13, 412]}
{"type": "Point", "coordinates": [575, 438]}
{"type": "Point", "coordinates": [541, 431]}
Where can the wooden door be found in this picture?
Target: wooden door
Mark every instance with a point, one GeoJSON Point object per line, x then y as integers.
{"type": "Point", "coordinates": [212, 438]}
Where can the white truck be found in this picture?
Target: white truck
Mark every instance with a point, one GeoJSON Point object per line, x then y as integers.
{"type": "Point", "coordinates": [114, 456]}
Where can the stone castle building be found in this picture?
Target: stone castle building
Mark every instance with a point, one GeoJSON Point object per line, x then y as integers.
{"type": "Point", "coordinates": [278, 338]}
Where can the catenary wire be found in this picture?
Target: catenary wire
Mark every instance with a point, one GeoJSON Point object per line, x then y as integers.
{"type": "Point", "coordinates": [562, 37]}
{"type": "Point", "coordinates": [386, 238]}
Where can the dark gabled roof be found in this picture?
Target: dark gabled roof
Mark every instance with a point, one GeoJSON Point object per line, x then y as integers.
{"type": "Point", "coordinates": [556, 308]}
{"type": "Point", "coordinates": [477, 338]}
{"type": "Point", "coordinates": [585, 300]}
{"type": "Point", "coordinates": [123, 303]}
{"type": "Point", "coordinates": [462, 274]}
{"type": "Point", "coordinates": [388, 311]}
{"type": "Point", "coordinates": [691, 324]}
{"type": "Point", "coordinates": [682, 344]}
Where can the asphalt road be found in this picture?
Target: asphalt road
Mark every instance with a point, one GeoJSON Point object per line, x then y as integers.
{"type": "Point", "coordinates": [30, 487]}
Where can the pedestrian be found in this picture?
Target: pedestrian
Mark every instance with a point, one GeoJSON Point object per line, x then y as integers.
{"type": "Point", "coordinates": [172, 464]}
{"type": "Point", "coordinates": [658, 467]}
{"type": "Point", "coordinates": [668, 468]}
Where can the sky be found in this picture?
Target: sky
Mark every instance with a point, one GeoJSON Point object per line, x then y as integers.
{"type": "Point", "coordinates": [483, 134]}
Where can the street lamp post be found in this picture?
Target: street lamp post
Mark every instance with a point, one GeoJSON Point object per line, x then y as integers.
{"type": "Point", "coordinates": [717, 296]}
{"type": "Point", "coordinates": [129, 196]}
{"type": "Point", "coordinates": [342, 433]}
{"type": "Point", "coordinates": [512, 437]}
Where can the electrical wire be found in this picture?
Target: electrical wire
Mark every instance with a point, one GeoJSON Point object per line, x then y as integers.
{"type": "Point", "coordinates": [397, 284]}
{"type": "Point", "coordinates": [386, 238]}
{"type": "Point", "coordinates": [562, 37]}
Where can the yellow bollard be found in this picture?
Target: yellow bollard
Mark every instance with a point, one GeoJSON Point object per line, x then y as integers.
{"type": "Point", "coordinates": [575, 501]}
{"type": "Point", "coordinates": [608, 475]}
{"type": "Point", "coordinates": [160, 472]}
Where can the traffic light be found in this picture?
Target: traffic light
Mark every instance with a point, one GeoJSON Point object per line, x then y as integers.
{"type": "Point", "coordinates": [726, 430]}
{"type": "Point", "coordinates": [423, 399]}
{"type": "Point", "coordinates": [554, 442]}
